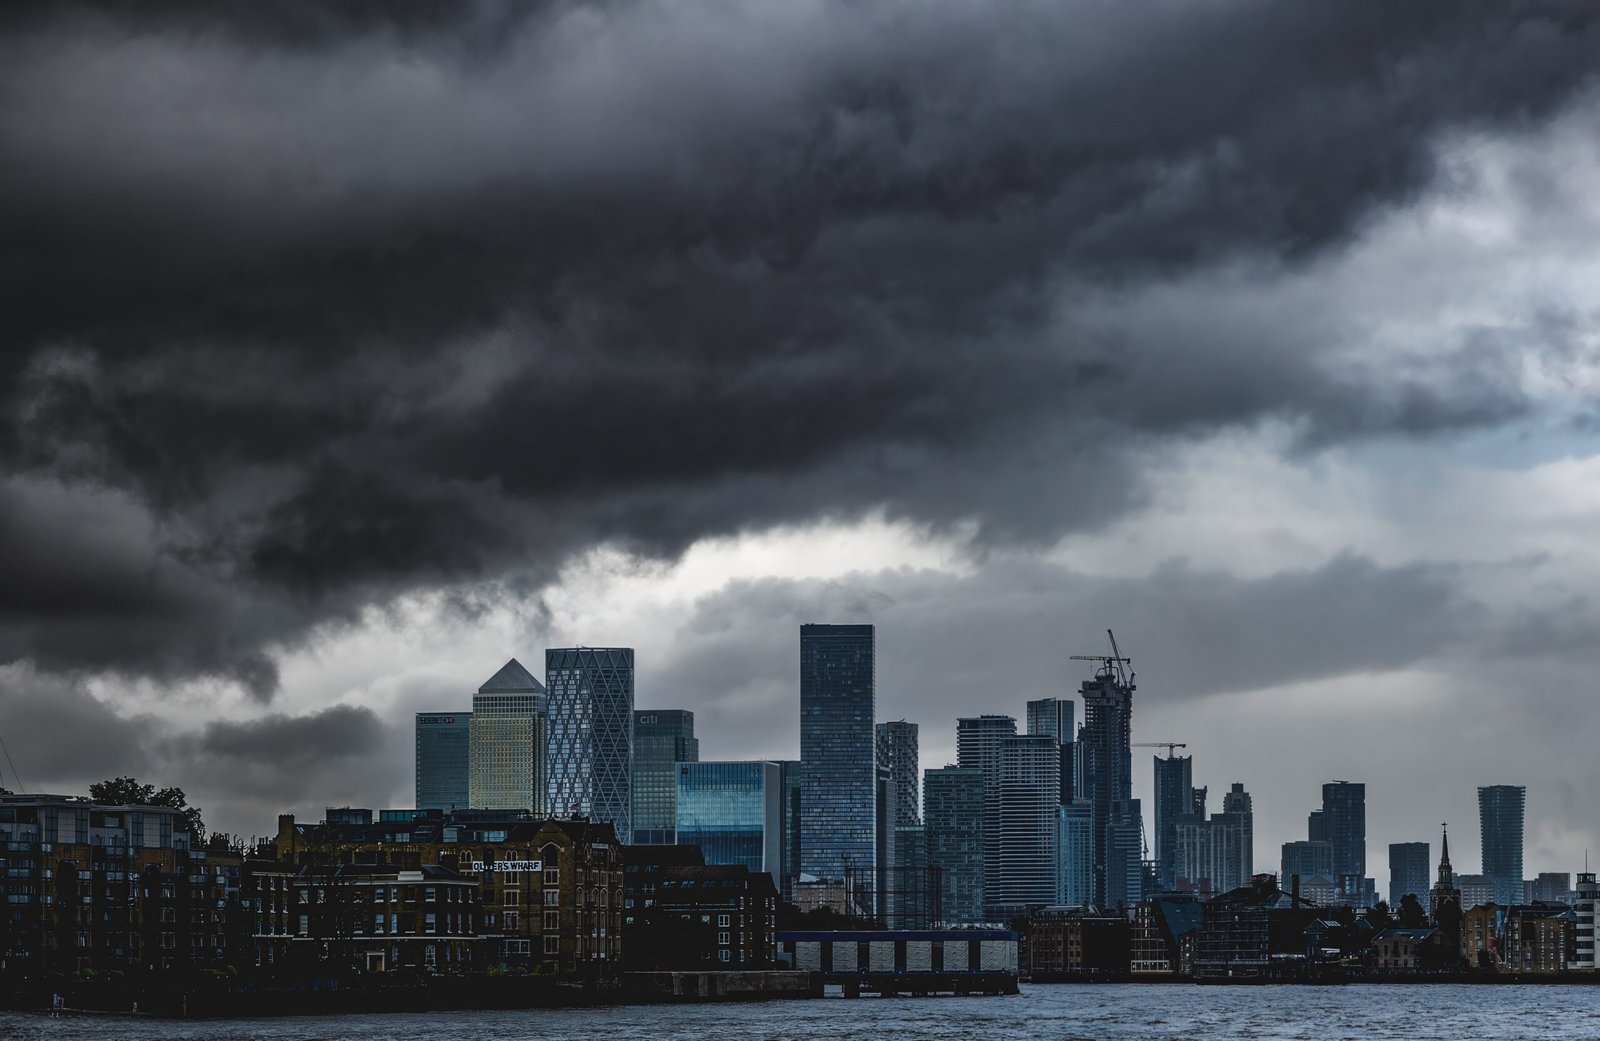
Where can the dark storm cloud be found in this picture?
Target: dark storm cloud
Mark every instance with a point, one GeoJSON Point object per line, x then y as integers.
{"type": "Point", "coordinates": [308, 307]}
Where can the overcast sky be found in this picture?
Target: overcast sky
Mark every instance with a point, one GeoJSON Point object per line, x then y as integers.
{"type": "Point", "coordinates": [347, 355]}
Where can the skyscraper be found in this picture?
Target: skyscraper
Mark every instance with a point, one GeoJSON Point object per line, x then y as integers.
{"type": "Point", "coordinates": [897, 751]}
{"type": "Point", "coordinates": [1174, 798]}
{"type": "Point", "coordinates": [1307, 858]}
{"type": "Point", "coordinates": [734, 812]}
{"type": "Point", "coordinates": [953, 821]}
{"type": "Point", "coordinates": [590, 738]}
{"type": "Point", "coordinates": [1500, 815]}
{"type": "Point", "coordinates": [444, 760]}
{"type": "Point", "coordinates": [838, 796]}
{"type": "Point", "coordinates": [1238, 807]}
{"type": "Point", "coordinates": [1053, 717]}
{"type": "Point", "coordinates": [507, 742]}
{"type": "Point", "coordinates": [1075, 853]}
{"type": "Point", "coordinates": [1344, 815]}
{"type": "Point", "coordinates": [1408, 872]}
{"type": "Point", "coordinates": [1105, 743]}
{"type": "Point", "coordinates": [1029, 800]}
{"type": "Point", "coordinates": [978, 741]}
{"type": "Point", "coordinates": [662, 738]}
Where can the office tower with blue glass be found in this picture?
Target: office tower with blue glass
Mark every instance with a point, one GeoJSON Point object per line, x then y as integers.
{"type": "Point", "coordinates": [952, 820]}
{"type": "Point", "coordinates": [444, 760]}
{"type": "Point", "coordinates": [507, 742]}
{"type": "Point", "coordinates": [662, 738]}
{"type": "Point", "coordinates": [839, 790]}
{"type": "Point", "coordinates": [1174, 800]}
{"type": "Point", "coordinates": [1075, 853]}
{"type": "Point", "coordinates": [1500, 810]}
{"type": "Point", "coordinates": [1409, 868]}
{"type": "Point", "coordinates": [898, 753]}
{"type": "Point", "coordinates": [734, 812]}
{"type": "Point", "coordinates": [590, 741]}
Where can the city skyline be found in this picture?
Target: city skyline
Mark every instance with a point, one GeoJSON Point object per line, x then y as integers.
{"type": "Point", "coordinates": [350, 355]}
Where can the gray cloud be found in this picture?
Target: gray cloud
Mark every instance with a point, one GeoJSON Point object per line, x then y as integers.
{"type": "Point", "coordinates": [313, 308]}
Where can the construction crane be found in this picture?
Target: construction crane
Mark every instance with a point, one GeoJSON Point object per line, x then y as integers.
{"type": "Point", "coordinates": [1168, 745]}
{"type": "Point", "coordinates": [1111, 663]}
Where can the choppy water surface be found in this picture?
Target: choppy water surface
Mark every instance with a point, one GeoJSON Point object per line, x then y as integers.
{"type": "Point", "coordinates": [1041, 1013]}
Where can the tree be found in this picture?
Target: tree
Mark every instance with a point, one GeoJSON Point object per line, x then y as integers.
{"type": "Point", "coordinates": [1412, 913]}
{"type": "Point", "coordinates": [1379, 918]}
{"type": "Point", "coordinates": [125, 791]}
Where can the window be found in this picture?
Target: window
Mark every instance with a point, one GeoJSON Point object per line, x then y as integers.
{"type": "Point", "coordinates": [722, 938]}
{"type": "Point", "coordinates": [722, 920]}
{"type": "Point", "coordinates": [552, 920]}
{"type": "Point", "coordinates": [552, 944]}
{"type": "Point", "coordinates": [510, 920]}
{"type": "Point", "coordinates": [377, 923]}
{"type": "Point", "coordinates": [724, 955]}
{"type": "Point", "coordinates": [552, 898]}
{"type": "Point", "coordinates": [430, 922]}
{"type": "Point", "coordinates": [510, 899]}
{"type": "Point", "coordinates": [430, 895]}
{"type": "Point", "coordinates": [552, 876]}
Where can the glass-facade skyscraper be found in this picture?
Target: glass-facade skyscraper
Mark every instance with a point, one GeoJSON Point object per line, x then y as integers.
{"type": "Point", "coordinates": [1105, 742]}
{"type": "Point", "coordinates": [839, 793]}
{"type": "Point", "coordinates": [978, 740]}
{"type": "Point", "coordinates": [1409, 867]}
{"type": "Point", "coordinates": [1500, 809]}
{"type": "Point", "coordinates": [590, 742]}
{"type": "Point", "coordinates": [507, 742]}
{"type": "Point", "coordinates": [1344, 820]}
{"type": "Point", "coordinates": [897, 751]}
{"type": "Point", "coordinates": [662, 738]}
{"type": "Point", "coordinates": [734, 812]}
{"type": "Point", "coordinates": [444, 762]}
{"type": "Point", "coordinates": [952, 819]}
{"type": "Point", "coordinates": [1053, 717]}
{"type": "Point", "coordinates": [1174, 799]}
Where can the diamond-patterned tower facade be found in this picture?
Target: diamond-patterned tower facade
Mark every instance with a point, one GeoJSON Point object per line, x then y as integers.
{"type": "Point", "coordinates": [589, 693]}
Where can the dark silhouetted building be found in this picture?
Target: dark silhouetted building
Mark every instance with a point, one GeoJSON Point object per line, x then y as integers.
{"type": "Point", "coordinates": [1344, 812]}
{"type": "Point", "coordinates": [1174, 799]}
{"type": "Point", "coordinates": [1305, 859]}
{"type": "Point", "coordinates": [1053, 717]}
{"type": "Point", "coordinates": [1030, 772]}
{"type": "Point", "coordinates": [1105, 743]}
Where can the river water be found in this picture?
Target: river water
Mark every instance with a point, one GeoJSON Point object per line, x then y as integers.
{"type": "Point", "coordinates": [1039, 1013]}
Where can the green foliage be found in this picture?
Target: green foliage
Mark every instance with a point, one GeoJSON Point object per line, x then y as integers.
{"type": "Point", "coordinates": [125, 791]}
{"type": "Point", "coordinates": [1412, 913]}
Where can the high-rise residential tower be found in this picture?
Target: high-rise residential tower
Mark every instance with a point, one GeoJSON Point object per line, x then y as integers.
{"type": "Point", "coordinates": [1408, 872]}
{"type": "Point", "coordinates": [1500, 809]}
{"type": "Point", "coordinates": [444, 760]}
{"type": "Point", "coordinates": [952, 814]}
{"type": "Point", "coordinates": [1029, 803]}
{"type": "Point", "coordinates": [897, 752]}
{"type": "Point", "coordinates": [662, 738]}
{"type": "Point", "coordinates": [590, 740]}
{"type": "Point", "coordinates": [1174, 799]}
{"type": "Point", "coordinates": [978, 740]}
{"type": "Point", "coordinates": [1053, 717]}
{"type": "Point", "coordinates": [507, 742]}
{"type": "Point", "coordinates": [1105, 743]}
{"type": "Point", "coordinates": [1344, 815]}
{"type": "Point", "coordinates": [839, 792]}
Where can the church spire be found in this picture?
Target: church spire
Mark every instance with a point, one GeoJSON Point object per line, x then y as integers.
{"type": "Point", "coordinates": [1447, 877]}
